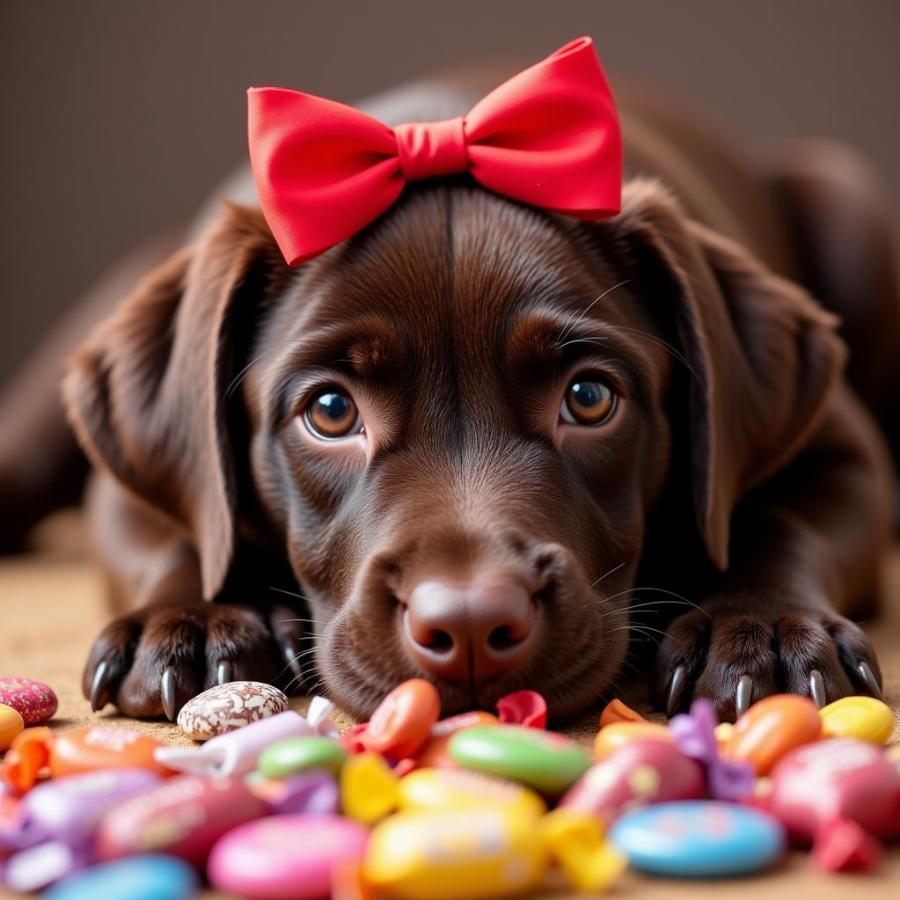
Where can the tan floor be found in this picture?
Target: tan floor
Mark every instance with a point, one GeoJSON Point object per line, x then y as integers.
{"type": "Point", "coordinates": [52, 607]}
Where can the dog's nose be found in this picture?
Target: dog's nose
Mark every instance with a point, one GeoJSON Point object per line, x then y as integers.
{"type": "Point", "coordinates": [469, 632]}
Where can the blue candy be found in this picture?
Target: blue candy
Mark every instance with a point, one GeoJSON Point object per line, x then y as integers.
{"type": "Point", "coordinates": [136, 878]}
{"type": "Point", "coordinates": [698, 839]}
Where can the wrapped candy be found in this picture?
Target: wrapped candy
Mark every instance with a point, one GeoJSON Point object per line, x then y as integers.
{"type": "Point", "coordinates": [69, 809]}
{"type": "Point", "coordinates": [840, 795]}
{"type": "Point", "coordinates": [638, 773]}
{"type": "Point", "coordinates": [237, 752]}
{"type": "Point", "coordinates": [181, 817]}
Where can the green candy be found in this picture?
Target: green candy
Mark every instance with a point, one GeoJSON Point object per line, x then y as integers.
{"type": "Point", "coordinates": [548, 762]}
{"type": "Point", "coordinates": [300, 754]}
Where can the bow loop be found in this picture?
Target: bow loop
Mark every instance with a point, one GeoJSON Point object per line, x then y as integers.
{"type": "Point", "coordinates": [431, 149]}
{"type": "Point", "coordinates": [549, 137]}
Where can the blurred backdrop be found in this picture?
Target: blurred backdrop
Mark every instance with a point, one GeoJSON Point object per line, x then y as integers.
{"type": "Point", "coordinates": [119, 118]}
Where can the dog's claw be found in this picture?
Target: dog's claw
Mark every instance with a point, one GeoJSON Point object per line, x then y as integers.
{"type": "Point", "coordinates": [676, 688]}
{"type": "Point", "coordinates": [223, 672]}
{"type": "Point", "coordinates": [167, 692]}
{"type": "Point", "coordinates": [869, 680]}
{"type": "Point", "coordinates": [100, 686]}
{"type": "Point", "coordinates": [817, 688]}
{"type": "Point", "coordinates": [743, 695]}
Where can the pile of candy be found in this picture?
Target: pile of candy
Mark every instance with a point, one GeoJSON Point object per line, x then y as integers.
{"type": "Point", "coordinates": [408, 805]}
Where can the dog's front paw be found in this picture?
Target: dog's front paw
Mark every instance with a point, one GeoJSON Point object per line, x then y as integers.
{"type": "Point", "coordinates": [151, 662]}
{"type": "Point", "coordinates": [736, 652]}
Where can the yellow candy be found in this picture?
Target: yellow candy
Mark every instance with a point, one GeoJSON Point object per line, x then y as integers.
{"type": "Point", "coordinates": [11, 723]}
{"type": "Point", "coordinates": [576, 842]}
{"type": "Point", "coordinates": [864, 718]}
{"type": "Point", "coordinates": [369, 789]}
{"type": "Point", "coordinates": [454, 854]}
{"type": "Point", "coordinates": [460, 789]}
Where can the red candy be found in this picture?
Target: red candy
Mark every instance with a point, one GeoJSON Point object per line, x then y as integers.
{"type": "Point", "coordinates": [523, 708]}
{"type": "Point", "coordinates": [182, 817]}
{"type": "Point", "coordinates": [838, 794]}
{"type": "Point", "coordinates": [402, 722]}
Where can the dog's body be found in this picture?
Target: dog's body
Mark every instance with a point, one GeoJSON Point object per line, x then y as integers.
{"type": "Point", "coordinates": [468, 532]}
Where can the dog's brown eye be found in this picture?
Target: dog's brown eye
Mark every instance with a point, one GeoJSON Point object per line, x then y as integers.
{"type": "Point", "coordinates": [333, 414]}
{"type": "Point", "coordinates": [587, 401]}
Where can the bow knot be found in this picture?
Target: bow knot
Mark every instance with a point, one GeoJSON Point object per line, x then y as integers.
{"type": "Point", "coordinates": [431, 149]}
{"type": "Point", "coordinates": [548, 137]}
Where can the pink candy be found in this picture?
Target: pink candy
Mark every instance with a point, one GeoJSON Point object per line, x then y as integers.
{"type": "Point", "coordinates": [286, 856]}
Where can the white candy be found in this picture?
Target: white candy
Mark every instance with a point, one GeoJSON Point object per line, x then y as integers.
{"type": "Point", "coordinates": [227, 707]}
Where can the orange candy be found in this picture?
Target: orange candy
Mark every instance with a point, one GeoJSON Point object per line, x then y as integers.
{"type": "Point", "coordinates": [772, 727]}
{"type": "Point", "coordinates": [27, 755]}
{"type": "Point", "coordinates": [103, 747]}
{"type": "Point", "coordinates": [617, 734]}
{"type": "Point", "coordinates": [402, 722]}
{"type": "Point", "coordinates": [434, 754]}
{"type": "Point", "coordinates": [617, 711]}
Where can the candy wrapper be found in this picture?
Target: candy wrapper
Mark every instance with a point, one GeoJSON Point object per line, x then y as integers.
{"type": "Point", "coordinates": [695, 735]}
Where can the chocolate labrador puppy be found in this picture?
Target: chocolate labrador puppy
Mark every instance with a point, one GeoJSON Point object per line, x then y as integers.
{"type": "Point", "coordinates": [488, 445]}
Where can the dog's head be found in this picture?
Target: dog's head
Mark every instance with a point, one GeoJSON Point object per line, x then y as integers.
{"type": "Point", "coordinates": [458, 425]}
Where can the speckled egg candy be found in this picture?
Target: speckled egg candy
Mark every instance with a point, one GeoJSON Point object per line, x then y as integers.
{"type": "Point", "coordinates": [227, 707]}
{"type": "Point", "coordinates": [34, 701]}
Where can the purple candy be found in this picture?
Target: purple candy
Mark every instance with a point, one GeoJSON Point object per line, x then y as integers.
{"type": "Point", "coordinates": [42, 865]}
{"type": "Point", "coordinates": [236, 752]}
{"type": "Point", "coordinates": [311, 793]}
{"type": "Point", "coordinates": [69, 809]}
{"type": "Point", "coordinates": [695, 735]}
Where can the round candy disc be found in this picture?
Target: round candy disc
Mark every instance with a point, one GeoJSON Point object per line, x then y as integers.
{"type": "Point", "coordinates": [33, 700]}
{"type": "Point", "coordinates": [544, 760]}
{"type": "Point", "coordinates": [292, 756]}
{"type": "Point", "coordinates": [698, 839]}
{"type": "Point", "coordinates": [286, 856]}
{"type": "Point", "coordinates": [401, 724]}
{"type": "Point", "coordinates": [138, 878]}
{"type": "Point", "coordinates": [864, 718]}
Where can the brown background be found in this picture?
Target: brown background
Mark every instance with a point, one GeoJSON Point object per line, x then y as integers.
{"type": "Point", "coordinates": [119, 117]}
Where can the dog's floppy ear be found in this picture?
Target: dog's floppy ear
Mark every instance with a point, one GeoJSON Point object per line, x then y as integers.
{"type": "Point", "coordinates": [146, 393]}
{"type": "Point", "coordinates": [763, 356]}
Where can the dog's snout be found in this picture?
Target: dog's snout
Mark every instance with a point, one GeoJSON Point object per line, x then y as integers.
{"type": "Point", "coordinates": [469, 632]}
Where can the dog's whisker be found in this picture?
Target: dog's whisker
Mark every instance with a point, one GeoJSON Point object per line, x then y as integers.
{"type": "Point", "coordinates": [679, 598]}
{"type": "Point", "coordinates": [572, 325]}
{"type": "Point", "coordinates": [286, 591]}
{"type": "Point", "coordinates": [671, 349]}
{"type": "Point", "coordinates": [607, 574]}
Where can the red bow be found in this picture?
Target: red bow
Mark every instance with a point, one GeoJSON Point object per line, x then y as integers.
{"type": "Point", "coordinates": [548, 137]}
